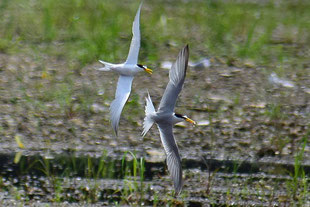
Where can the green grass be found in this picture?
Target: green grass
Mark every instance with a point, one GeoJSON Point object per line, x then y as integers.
{"type": "Point", "coordinates": [298, 185]}
{"type": "Point", "coordinates": [79, 32]}
{"type": "Point", "coordinates": [133, 179]}
{"type": "Point", "coordinates": [88, 30]}
{"type": "Point", "coordinates": [56, 182]}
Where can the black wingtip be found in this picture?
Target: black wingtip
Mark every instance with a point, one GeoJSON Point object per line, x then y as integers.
{"type": "Point", "coordinates": [186, 48]}
{"type": "Point", "coordinates": [186, 51]}
{"type": "Point", "coordinates": [115, 133]}
{"type": "Point", "coordinates": [178, 190]}
{"type": "Point", "coordinates": [115, 130]}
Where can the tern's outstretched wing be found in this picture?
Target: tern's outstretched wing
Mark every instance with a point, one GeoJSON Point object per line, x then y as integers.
{"type": "Point", "coordinates": [133, 54]}
{"type": "Point", "coordinates": [121, 96]}
{"type": "Point", "coordinates": [173, 157]}
{"type": "Point", "coordinates": [177, 76]}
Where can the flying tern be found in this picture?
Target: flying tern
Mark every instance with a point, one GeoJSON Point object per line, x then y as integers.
{"type": "Point", "coordinates": [165, 117]}
{"type": "Point", "coordinates": [126, 70]}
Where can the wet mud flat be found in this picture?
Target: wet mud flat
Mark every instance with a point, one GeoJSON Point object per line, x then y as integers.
{"type": "Point", "coordinates": [69, 179]}
{"type": "Point", "coordinates": [250, 146]}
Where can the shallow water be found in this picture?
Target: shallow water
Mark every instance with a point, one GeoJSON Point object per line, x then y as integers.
{"type": "Point", "coordinates": [105, 181]}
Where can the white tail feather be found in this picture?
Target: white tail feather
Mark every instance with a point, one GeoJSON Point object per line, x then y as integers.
{"type": "Point", "coordinates": [149, 111]}
{"type": "Point", "coordinates": [107, 66]}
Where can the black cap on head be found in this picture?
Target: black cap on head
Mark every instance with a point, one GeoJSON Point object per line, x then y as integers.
{"type": "Point", "coordinates": [179, 116]}
{"type": "Point", "coordinates": [139, 65]}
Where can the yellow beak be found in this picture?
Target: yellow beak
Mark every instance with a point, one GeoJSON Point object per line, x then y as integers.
{"type": "Point", "coordinates": [149, 71]}
{"type": "Point", "coordinates": [190, 121]}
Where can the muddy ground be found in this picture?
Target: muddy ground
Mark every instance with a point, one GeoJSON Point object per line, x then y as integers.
{"type": "Point", "coordinates": [243, 116]}
{"type": "Point", "coordinates": [240, 112]}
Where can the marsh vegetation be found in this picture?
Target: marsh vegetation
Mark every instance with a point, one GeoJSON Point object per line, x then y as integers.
{"type": "Point", "coordinates": [252, 104]}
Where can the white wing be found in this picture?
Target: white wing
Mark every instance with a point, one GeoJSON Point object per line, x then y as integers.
{"type": "Point", "coordinates": [121, 96]}
{"type": "Point", "coordinates": [173, 157]}
{"type": "Point", "coordinates": [133, 54]}
{"type": "Point", "coordinates": [176, 80]}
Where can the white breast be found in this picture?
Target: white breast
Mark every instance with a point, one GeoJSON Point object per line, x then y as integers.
{"type": "Point", "coordinates": [129, 70]}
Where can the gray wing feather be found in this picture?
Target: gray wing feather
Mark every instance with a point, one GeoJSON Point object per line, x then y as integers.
{"type": "Point", "coordinates": [135, 41]}
{"type": "Point", "coordinates": [177, 76]}
{"type": "Point", "coordinates": [173, 157]}
{"type": "Point", "coordinates": [121, 96]}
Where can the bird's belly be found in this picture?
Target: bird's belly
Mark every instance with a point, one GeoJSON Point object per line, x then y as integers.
{"type": "Point", "coordinates": [129, 71]}
{"type": "Point", "coordinates": [163, 118]}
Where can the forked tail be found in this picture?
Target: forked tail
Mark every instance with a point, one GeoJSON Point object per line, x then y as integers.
{"type": "Point", "coordinates": [149, 112]}
{"type": "Point", "coordinates": [107, 66]}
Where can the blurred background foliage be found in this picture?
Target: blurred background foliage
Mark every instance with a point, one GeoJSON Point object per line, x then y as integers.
{"type": "Point", "coordinates": [267, 32]}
